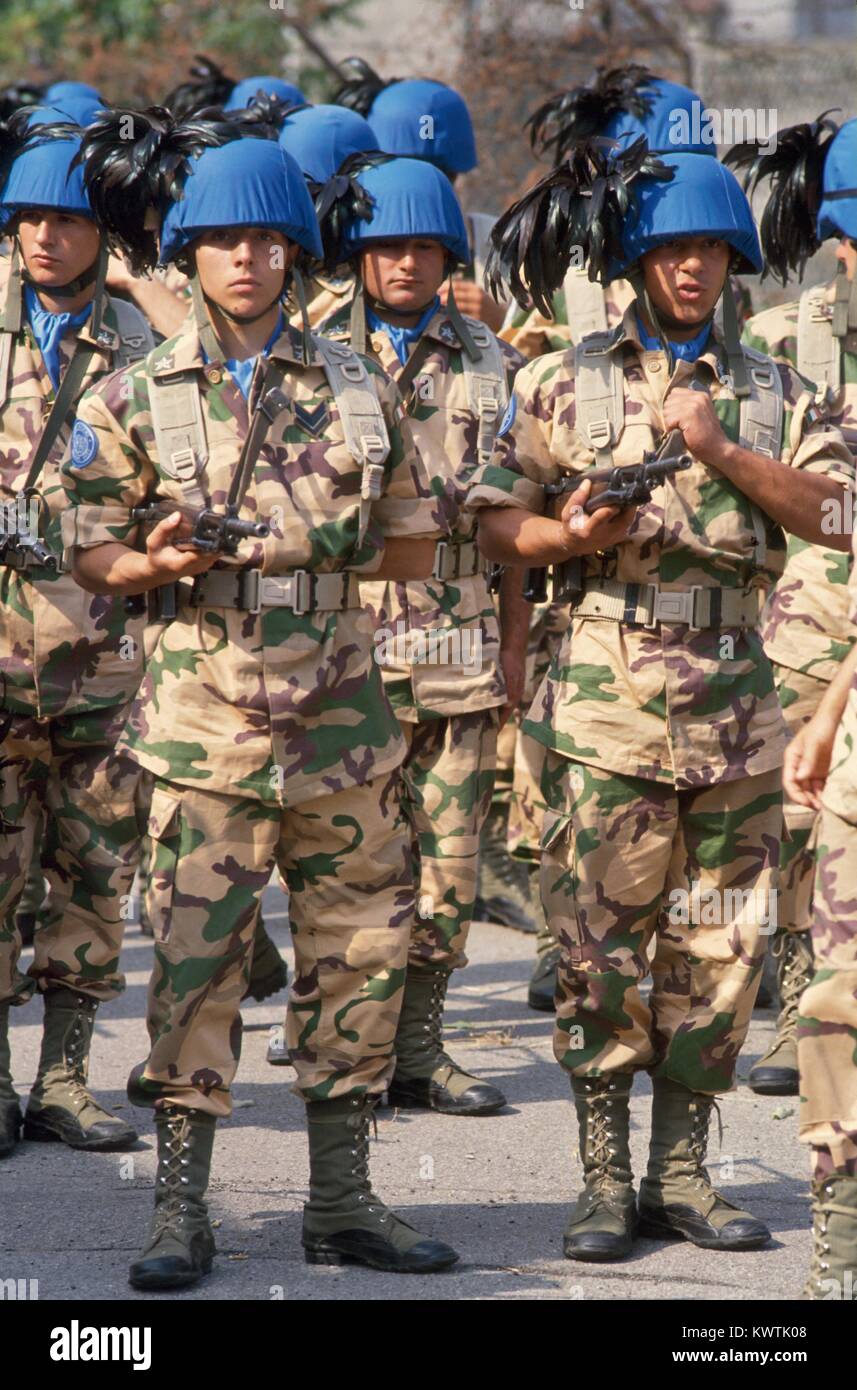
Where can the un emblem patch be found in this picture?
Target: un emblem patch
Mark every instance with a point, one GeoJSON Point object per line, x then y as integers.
{"type": "Point", "coordinates": [84, 444]}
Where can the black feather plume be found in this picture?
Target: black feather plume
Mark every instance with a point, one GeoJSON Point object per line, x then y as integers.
{"type": "Point", "coordinates": [19, 94]}
{"type": "Point", "coordinates": [581, 206]}
{"type": "Point", "coordinates": [794, 169]}
{"type": "Point", "coordinates": [134, 161]}
{"type": "Point", "coordinates": [359, 92]}
{"type": "Point", "coordinates": [343, 199]}
{"type": "Point", "coordinates": [209, 85]}
{"type": "Point", "coordinates": [264, 110]}
{"type": "Point", "coordinates": [569, 117]}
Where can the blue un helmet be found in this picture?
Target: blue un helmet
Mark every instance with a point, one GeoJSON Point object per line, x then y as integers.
{"type": "Point", "coordinates": [39, 174]}
{"type": "Point", "coordinates": [244, 93]}
{"type": "Point", "coordinates": [837, 215]}
{"type": "Point", "coordinates": [622, 104]}
{"type": "Point", "coordinates": [320, 138]}
{"type": "Point", "coordinates": [409, 198]}
{"type": "Point", "coordinates": [413, 117]}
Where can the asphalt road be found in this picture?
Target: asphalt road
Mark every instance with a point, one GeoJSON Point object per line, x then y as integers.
{"type": "Point", "coordinates": [498, 1188]}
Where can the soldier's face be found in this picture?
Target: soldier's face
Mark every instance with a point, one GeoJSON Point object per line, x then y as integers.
{"type": "Point", "coordinates": [56, 247]}
{"type": "Point", "coordinates": [685, 279]}
{"type": "Point", "coordinates": [243, 268]}
{"type": "Point", "coordinates": [405, 274]}
{"type": "Point", "coordinates": [846, 252]}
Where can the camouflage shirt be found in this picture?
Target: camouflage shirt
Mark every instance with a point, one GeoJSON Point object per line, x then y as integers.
{"type": "Point", "coordinates": [534, 335]}
{"type": "Point", "coordinates": [840, 792]}
{"type": "Point", "coordinates": [277, 705]}
{"type": "Point", "coordinates": [445, 429]}
{"type": "Point", "coordinates": [61, 650]}
{"type": "Point", "coordinates": [806, 625]}
{"type": "Point", "coordinates": [663, 704]}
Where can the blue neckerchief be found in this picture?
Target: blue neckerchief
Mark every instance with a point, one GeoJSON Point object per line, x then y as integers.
{"type": "Point", "coordinates": [241, 369]}
{"type": "Point", "coordinates": [402, 339]}
{"type": "Point", "coordinates": [49, 328]}
{"type": "Point", "coordinates": [684, 352]}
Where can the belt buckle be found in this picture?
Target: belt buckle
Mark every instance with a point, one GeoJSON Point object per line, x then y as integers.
{"type": "Point", "coordinates": [676, 607]}
{"type": "Point", "coordinates": [440, 560]}
{"type": "Point", "coordinates": [651, 605]}
{"type": "Point", "coordinates": [302, 601]}
{"type": "Point", "coordinates": [250, 590]}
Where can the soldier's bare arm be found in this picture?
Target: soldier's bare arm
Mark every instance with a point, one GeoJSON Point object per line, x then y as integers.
{"type": "Point", "coordinates": [513, 536]}
{"type": "Point", "coordinates": [115, 568]}
{"type": "Point", "coordinates": [791, 496]}
{"type": "Point", "coordinates": [406, 558]}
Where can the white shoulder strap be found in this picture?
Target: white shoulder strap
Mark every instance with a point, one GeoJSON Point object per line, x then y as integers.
{"type": "Point", "coordinates": [6, 342]}
{"type": "Point", "coordinates": [818, 352]}
{"type": "Point", "coordinates": [362, 419]}
{"type": "Point", "coordinates": [487, 389]}
{"type": "Point", "coordinates": [599, 393]}
{"type": "Point", "coordinates": [760, 426]}
{"type": "Point", "coordinates": [585, 309]}
{"type": "Point", "coordinates": [179, 427]}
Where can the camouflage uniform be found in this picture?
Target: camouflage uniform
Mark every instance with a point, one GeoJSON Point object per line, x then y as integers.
{"type": "Point", "coordinates": [267, 734]}
{"type": "Point", "coordinates": [655, 735]}
{"type": "Point", "coordinates": [447, 710]}
{"type": "Point", "coordinates": [805, 626]}
{"type": "Point", "coordinates": [71, 662]}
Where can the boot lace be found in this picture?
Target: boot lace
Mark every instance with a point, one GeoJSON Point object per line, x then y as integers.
{"type": "Point", "coordinates": [76, 1051]}
{"type": "Point", "coordinates": [171, 1177]}
{"type": "Point", "coordinates": [600, 1135]}
{"type": "Point", "coordinates": [818, 1265]}
{"type": "Point", "coordinates": [700, 1120]}
{"type": "Point", "coordinates": [796, 962]}
{"type": "Point", "coordinates": [360, 1165]}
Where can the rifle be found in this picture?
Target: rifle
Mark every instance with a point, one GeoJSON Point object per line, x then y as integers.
{"type": "Point", "coordinates": [627, 485]}
{"type": "Point", "coordinates": [213, 532]}
{"type": "Point", "coordinates": [17, 545]}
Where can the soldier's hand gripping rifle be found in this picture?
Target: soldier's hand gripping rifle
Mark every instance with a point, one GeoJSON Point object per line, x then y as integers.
{"type": "Point", "coordinates": [21, 545]}
{"type": "Point", "coordinates": [625, 485]}
{"type": "Point", "coordinates": [222, 532]}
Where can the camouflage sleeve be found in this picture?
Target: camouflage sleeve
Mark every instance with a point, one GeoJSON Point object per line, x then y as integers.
{"type": "Point", "coordinates": [521, 463]}
{"type": "Point", "coordinates": [514, 362]}
{"type": "Point", "coordinates": [774, 332]}
{"type": "Point", "coordinates": [105, 473]}
{"type": "Point", "coordinates": [407, 507]}
{"type": "Point", "coordinates": [810, 440]}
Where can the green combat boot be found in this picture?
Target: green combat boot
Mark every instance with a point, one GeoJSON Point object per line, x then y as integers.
{"type": "Point", "coordinates": [60, 1106]}
{"type": "Point", "coordinates": [776, 1074]}
{"type": "Point", "coordinates": [541, 994]}
{"type": "Point", "coordinates": [833, 1268]}
{"type": "Point", "coordinates": [425, 1075]}
{"type": "Point", "coordinates": [504, 891]}
{"type": "Point", "coordinates": [344, 1222]}
{"type": "Point", "coordinates": [603, 1222]}
{"type": "Point", "coordinates": [677, 1200]}
{"type": "Point", "coordinates": [10, 1112]}
{"type": "Point", "coordinates": [180, 1248]}
{"type": "Point", "coordinates": [268, 973]}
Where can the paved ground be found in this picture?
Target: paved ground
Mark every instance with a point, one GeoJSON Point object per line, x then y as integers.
{"type": "Point", "coordinates": [497, 1188]}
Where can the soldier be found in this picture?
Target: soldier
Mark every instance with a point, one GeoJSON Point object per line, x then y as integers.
{"type": "Point", "coordinates": [70, 662]}
{"type": "Point", "coordinates": [664, 734]}
{"type": "Point", "coordinates": [621, 104]}
{"type": "Point", "coordinates": [261, 715]}
{"type": "Point", "coordinates": [210, 86]}
{"type": "Point", "coordinates": [821, 774]}
{"type": "Point", "coordinates": [422, 119]}
{"type": "Point", "coordinates": [446, 664]}
{"type": "Point", "coordinates": [321, 139]}
{"type": "Point", "coordinates": [806, 624]}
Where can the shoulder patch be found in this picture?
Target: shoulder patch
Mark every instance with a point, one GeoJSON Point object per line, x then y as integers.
{"type": "Point", "coordinates": [84, 444]}
{"type": "Point", "coordinates": [509, 418]}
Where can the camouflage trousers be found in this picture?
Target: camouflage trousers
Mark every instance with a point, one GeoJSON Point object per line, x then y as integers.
{"type": "Point", "coordinates": [800, 696]}
{"type": "Point", "coordinates": [549, 625]}
{"type": "Point", "coordinates": [625, 859]}
{"type": "Point", "coordinates": [346, 860]}
{"type": "Point", "coordinates": [827, 1025]}
{"type": "Point", "coordinates": [65, 770]}
{"type": "Point", "coordinates": [448, 777]}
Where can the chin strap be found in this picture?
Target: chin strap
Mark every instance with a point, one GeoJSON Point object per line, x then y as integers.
{"type": "Point", "coordinates": [638, 284]}
{"type": "Point", "coordinates": [453, 313]}
{"type": "Point", "coordinates": [11, 318]}
{"type": "Point", "coordinates": [844, 303]}
{"type": "Point", "coordinates": [357, 326]}
{"type": "Point", "coordinates": [307, 349]}
{"type": "Point", "coordinates": [207, 335]}
{"type": "Point", "coordinates": [71, 288]}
